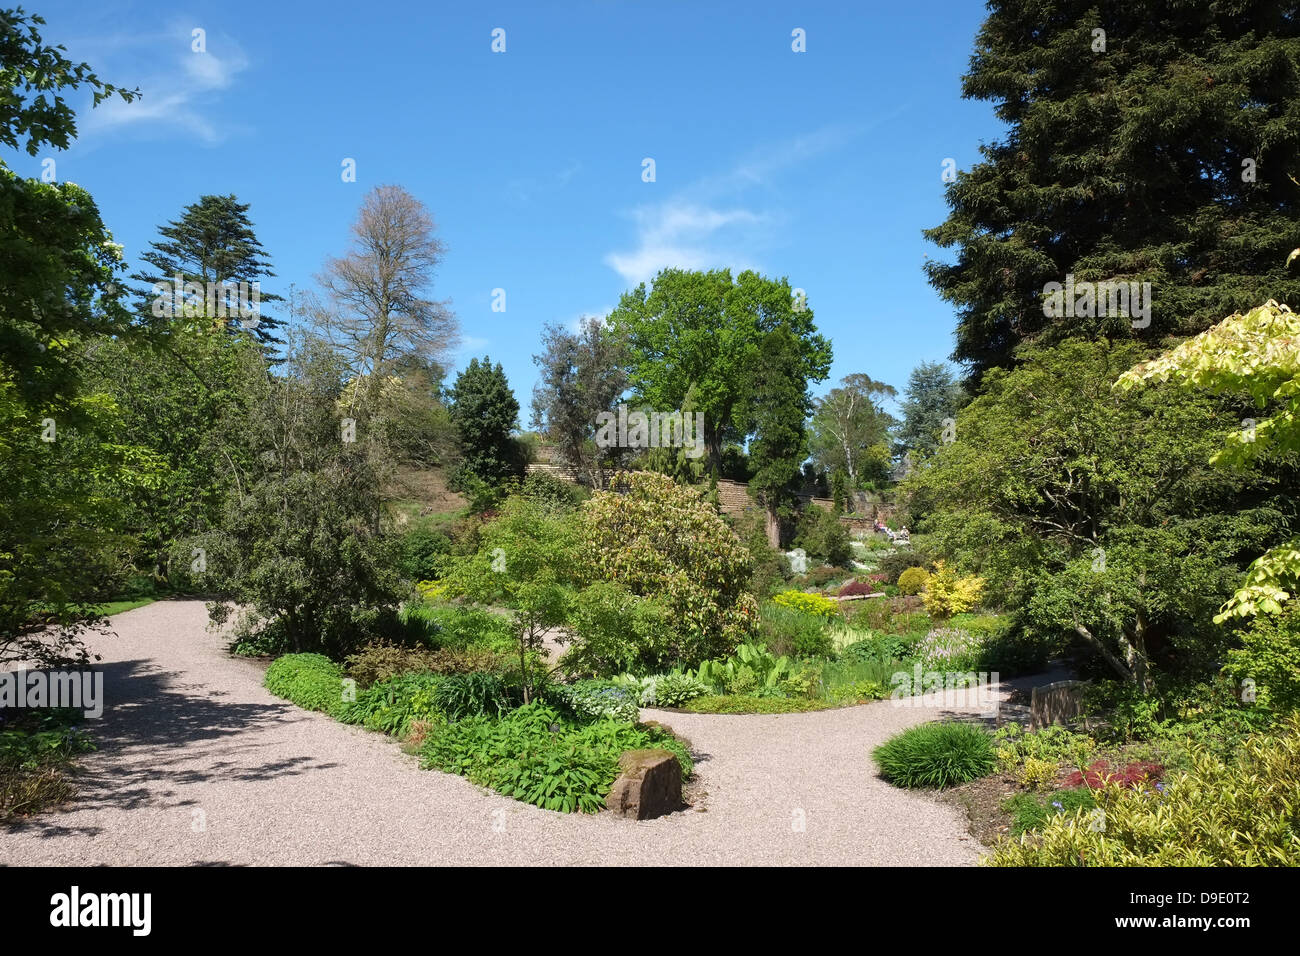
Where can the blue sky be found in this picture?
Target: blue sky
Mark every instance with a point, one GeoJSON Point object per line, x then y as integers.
{"type": "Point", "coordinates": [823, 166]}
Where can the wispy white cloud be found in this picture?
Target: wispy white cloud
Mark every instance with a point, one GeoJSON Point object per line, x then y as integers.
{"type": "Point", "coordinates": [677, 234]}
{"type": "Point", "coordinates": [713, 222]}
{"type": "Point", "coordinates": [180, 93]}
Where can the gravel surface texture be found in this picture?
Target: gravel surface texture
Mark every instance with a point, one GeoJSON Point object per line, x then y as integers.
{"type": "Point", "coordinates": [198, 764]}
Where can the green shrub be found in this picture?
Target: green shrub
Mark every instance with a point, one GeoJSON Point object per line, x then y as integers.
{"type": "Point", "coordinates": [449, 626]}
{"type": "Point", "coordinates": [675, 690]}
{"type": "Point", "coordinates": [744, 704]}
{"type": "Point", "coordinates": [822, 535]}
{"type": "Point", "coordinates": [424, 553]}
{"type": "Point", "coordinates": [816, 605]}
{"type": "Point", "coordinates": [913, 581]}
{"type": "Point", "coordinates": [787, 631]}
{"type": "Point", "coordinates": [312, 681]}
{"type": "Point", "coordinates": [1055, 744]}
{"type": "Point", "coordinates": [936, 755]}
{"type": "Point", "coordinates": [615, 630]}
{"type": "Point", "coordinates": [753, 670]}
{"type": "Point", "coordinates": [1237, 811]}
{"type": "Point", "coordinates": [896, 562]}
{"type": "Point", "coordinates": [662, 541]}
{"type": "Point", "coordinates": [589, 700]}
{"type": "Point", "coordinates": [538, 755]}
{"type": "Point", "coordinates": [1269, 657]}
{"type": "Point", "coordinates": [392, 705]}
{"type": "Point", "coordinates": [36, 747]}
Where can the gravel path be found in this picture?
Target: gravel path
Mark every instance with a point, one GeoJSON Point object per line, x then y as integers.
{"type": "Point", "coordinates": [198, 764]}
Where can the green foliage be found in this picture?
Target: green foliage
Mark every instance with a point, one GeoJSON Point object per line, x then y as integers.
{"type": "Point", "coordinates": [525, 562]}
{"type": "Point", "coordinates": [1105, 521]}
{"type": "Point", "coordinates": [580, 374]}
{"type": "Point", "coordinates": [675, 690]}
{"type": "Point", "coordinates": [936, 755]}
{"type": "Point", "coordinates": [661, 541]}
{"type": "Point", "coordinates": [788, 630]}
{"type": "Point", "coordinates": [848, 424]}
{"type": "Point", "coordinates": [455, 627]}
{"type": "Point", "coordinates": [816, 605]}
{"type": "Point", "coordinates": [1072, 188]}
{"type": "Point", "coordinates": [615, 630]}
{"type": "Point", "coordinates": [589, 700]}
{"type": "Point", "coordinates": [1237, 810]}
{"type": "Point", "coordinates": [312, 681]}
{"type": "Point", "coordinates": [881, 649]}
{"type": "Point", "coordinates": [1254, 355]}
{"type": "Point", "coordinates": [486, 415]}
{"type": "Point", "coordinates": [913, 581]}
{"type": "Point", "coordinates": [752, 671]}
{"type": "Point", "coordinates": [392, 705]}
{"type": "Point", "coordinates": [470, 695]}
{"type": "Point", "coordinates": [1053, 744]}
{"type": "Point", "coordinates": [712, 326]}
{"type": "Point", "coordinates": [932, 395]}
{"type": "Point", "coordinates": [537, 755]}
{"type": "Point", "coordinates": [823, 536]}
{"type": "Point", "coordinates": [1270, 657]}
{"type": "Point", "coordinates": [1030, 812]}
{"type": "Point", "coordinates": [36, 747]}
{"type": "Point", "coordinates": [748, 704]}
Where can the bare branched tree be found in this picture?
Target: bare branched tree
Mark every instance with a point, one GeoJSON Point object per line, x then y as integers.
{"type": "Point", "coordinates": [375, 310]}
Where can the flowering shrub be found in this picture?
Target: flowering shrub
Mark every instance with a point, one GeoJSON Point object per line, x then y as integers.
{"type": "Point", "coordinates": [814, 604]}
{"type": "Point", "coordinates": [948, 648]}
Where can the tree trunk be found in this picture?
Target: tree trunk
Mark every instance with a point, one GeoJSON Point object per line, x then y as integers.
{"type": "Point", "coordinates": [773, 528]}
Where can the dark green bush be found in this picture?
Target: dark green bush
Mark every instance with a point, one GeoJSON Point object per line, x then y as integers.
{"type": "Point", "coordinates": [822, 535]}
{"type": "Point", "coordinates": [424, 553]}
{"type": "Point", "coordinates": [896, 562]}
{"type": "Point", "coordinates": [311, 681]}
{"type": "Point", "coordinates": [936, 755]}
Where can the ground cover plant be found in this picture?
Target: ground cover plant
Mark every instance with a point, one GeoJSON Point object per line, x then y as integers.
{"type": "Point", "coordinates": [37, 748]}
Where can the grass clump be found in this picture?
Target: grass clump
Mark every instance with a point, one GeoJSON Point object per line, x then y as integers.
{"type": "Point", "coordinates": [936, 755]}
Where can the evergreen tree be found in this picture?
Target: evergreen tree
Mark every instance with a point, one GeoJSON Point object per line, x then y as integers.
{"type": "Point", "coordinates": [932, 394]}
{"type": "Point", "coordinates": [213, 242]}
{"type": "Point", "coordinates": [1148, 142]}
{"type": "Point", "coordinates": [486, 415]}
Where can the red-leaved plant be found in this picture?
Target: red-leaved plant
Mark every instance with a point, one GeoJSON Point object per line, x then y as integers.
{"type": "Point", "coordinates": [1099, 773]}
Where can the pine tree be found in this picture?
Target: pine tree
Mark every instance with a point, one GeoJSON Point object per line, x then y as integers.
{"type": "Point", "coordinates": [486, 414]}
{"type": "Point", "coordinates": [213, 242]}
{"type": "Point", "coordinates": [1148, 142]}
